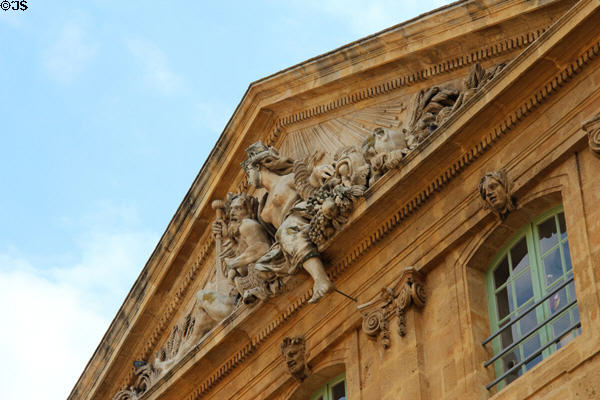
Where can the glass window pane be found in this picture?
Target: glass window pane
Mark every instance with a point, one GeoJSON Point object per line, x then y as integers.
{"type": "Point", "coordinates": [338, 391]}
{"type": "Point", "coordinates": [506, 337]}
{"type": "Point", "coordinates": [547, 234]}
{"type": "Point", "coordinates": [562, 226]}
{"type": "Point", "coordinates": [501, 273]}
{"type": "Point", "coordinates": [558, 300]}
{"type": "Point", "coordinates": [529, 348]}
{"type": "Point", "coordinates": [504, 303]}
{"type": "Point", "coordinates": [575, 312]}
{"type": "Point", "coordinates": [519, 256]}
{"type": "Point", "coordinates": [514, 279]}
{"type": "Point", "coordinates": [571, 290]}
{"type": "Point", "coordinates": [552, 267]}
{"type": "Point", "coordinates": [561, 324]}
{"type": "Point", "coordinates": [523, 288]}
{"type": "Point", "coordinates": [528, 322]}
{"type": "Point", "coordinates": [567, 254]}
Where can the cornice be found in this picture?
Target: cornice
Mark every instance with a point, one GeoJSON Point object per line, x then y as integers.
{"type": "Point", "coordinates": [194, 206]}
{"type": "Point", "coordinates": [452, 128]}
{"type": "Point", "coordinates": [451, 64]}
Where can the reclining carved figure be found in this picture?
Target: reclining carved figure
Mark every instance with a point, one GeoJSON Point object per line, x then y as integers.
{"type": "Point", "coordinates": [241, 240]}
{"type": "Point", "coordinates": [281, 208]}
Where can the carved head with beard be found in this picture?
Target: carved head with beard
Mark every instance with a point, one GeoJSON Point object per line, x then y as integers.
{"type": "Point", "coordinates": [239, 207]}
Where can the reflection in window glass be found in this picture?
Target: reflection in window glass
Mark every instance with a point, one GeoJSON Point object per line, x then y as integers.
{"type": "Point", "coordinates": [547, 234]}
{"type": "Point", "coordinates": [501, 272]}
{"type": "Point", "coordinates": [503, 307]}
{"type": "Point", "coordinates": [553, 266]}
{"type": "Point", "coordinates": [562, 225]}
{"type": "Point", "coordinates": [567, 253]}
{"type": "Point", "coordinates": [523, 288]}
{"type": "Point", "coordinates": [530, 268]}
{"type": "Point", "coordinates": [338, 391]}
{"type": "Point", "coordinates": [519, 256]}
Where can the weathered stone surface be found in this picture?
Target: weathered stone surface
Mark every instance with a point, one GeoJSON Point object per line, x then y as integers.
{"type": "Point", "coordinates": [407, 122]}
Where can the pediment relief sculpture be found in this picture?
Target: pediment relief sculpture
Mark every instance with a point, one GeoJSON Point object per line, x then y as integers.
{"type": "Point", "coordinates": [261, 243]}
{"type": "Point", "coordinates": [146, 376]}
{"type": "Point", "coordinates": [240, 241]}
{"type": "Point", "coordinates": [285, 211]}
{"type": "Point", "coordinates": [293, 351]}
{"type": "Point", "coordinates": [393, 301]}
{"type": "Point", "coordinates": [495, 190]}
{"type": "Point", "coordinates": [384, 148]}
{"type": "Point", "coordinates": [592, 127]}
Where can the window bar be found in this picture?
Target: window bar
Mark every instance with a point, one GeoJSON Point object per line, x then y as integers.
{"type": "Point", "coordinates": [533, 306]}
{"type": "Point", "coordinates": [531, 332]}
{"type": "Point", "coordinates": [534, 355]}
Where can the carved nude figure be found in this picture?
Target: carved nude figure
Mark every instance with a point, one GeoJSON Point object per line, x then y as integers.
{"type": "Point", "coordinates": [293, 248]}
{"type": "Point", "coordinates": [495, 191]}
{"type": "Point", "coordinates": [246, 239]}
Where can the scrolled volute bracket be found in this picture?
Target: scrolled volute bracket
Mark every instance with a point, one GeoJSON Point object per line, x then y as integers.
{"type": "Point", "coordinates": [592, 128]}
{"type": "Point", "coordinates": [409, 289]}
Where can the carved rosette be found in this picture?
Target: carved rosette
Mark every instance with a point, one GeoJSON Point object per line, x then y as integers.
{"type": "Point", "coordinates": [592, 127]}
{"type": "Point", "coordinates": [397, 300]}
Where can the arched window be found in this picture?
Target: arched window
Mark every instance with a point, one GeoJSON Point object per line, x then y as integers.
{"type": "Point", "coordinates": [531, 297]}
{"type": "Point", "coordinates": [333, 390]}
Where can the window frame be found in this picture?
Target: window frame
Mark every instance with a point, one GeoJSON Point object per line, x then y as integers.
{"type": "Point", "coordinates": [326, 390]}
{"type": "Point", "coordinates": [530, 233]}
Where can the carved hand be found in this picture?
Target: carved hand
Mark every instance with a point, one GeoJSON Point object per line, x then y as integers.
{"type": "Point", "coordinates": [217, 229]}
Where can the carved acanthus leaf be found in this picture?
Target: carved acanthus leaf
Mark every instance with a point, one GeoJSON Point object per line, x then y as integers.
{"type": "Point", "coordinates": [392, 301]}
{"type": "Point", "coordinates": [592, 127]}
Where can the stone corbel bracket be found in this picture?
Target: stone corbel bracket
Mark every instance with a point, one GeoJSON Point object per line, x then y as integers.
{"type": "Point", "coordinates": [410, 289]}
{"type": "Point", "coordinates": [592, 127]}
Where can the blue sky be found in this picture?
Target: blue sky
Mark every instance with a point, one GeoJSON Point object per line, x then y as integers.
{"type": "Point", "coordinates": [108, 110]}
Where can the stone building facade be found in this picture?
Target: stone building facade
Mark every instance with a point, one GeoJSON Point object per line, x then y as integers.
{"type": "Point", "coordinates": [411, 216]}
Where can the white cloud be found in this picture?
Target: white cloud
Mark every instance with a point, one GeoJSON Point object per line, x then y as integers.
{"type": "Point", "coordinates": [70, 53]}
{"type": "Point", "coordinates": [157, 73]}
{"type": "Point", "coordinates": [53, 318]}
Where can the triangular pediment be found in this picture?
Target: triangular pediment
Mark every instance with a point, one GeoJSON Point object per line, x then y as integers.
{"type": "Point", "coordinates": [441, 89]}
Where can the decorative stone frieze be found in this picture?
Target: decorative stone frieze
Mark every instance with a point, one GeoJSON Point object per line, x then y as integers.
{"type": "Point", "coordinates": [394, 301]}
{"type": "Point", "coordinates": [146, 376]}
{"type": "Point", "coordinates": [293, 350]}
{"type": "Point", "coordinates": [495, 190]}
{"type": "Point", "coordinates": [592, 127]}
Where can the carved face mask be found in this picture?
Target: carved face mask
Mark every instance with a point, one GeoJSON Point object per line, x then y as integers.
{"type": "Point", "coordinates": [495, 194]}
{"type": "Point", "coordinates": [294, 358]}
{"type": "Point", "coordinates": [238, 210]}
